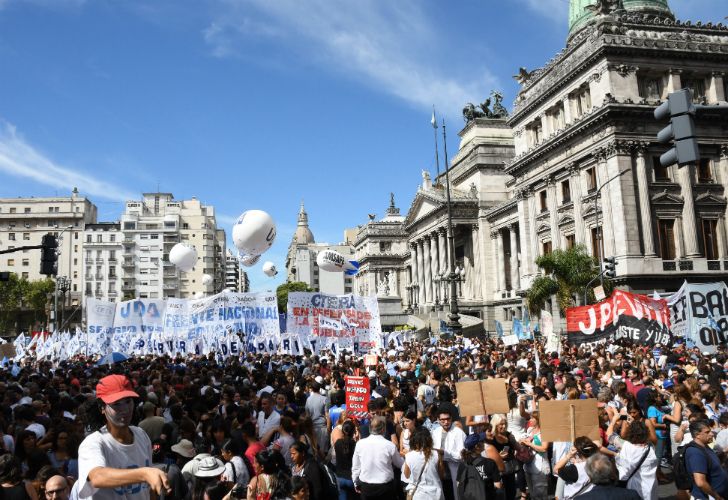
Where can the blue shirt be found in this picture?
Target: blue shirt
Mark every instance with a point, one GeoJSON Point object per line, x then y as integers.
{"type": "Point", "coordinates": [706, 462]}
{"type": "Point", "coordinates": [335, 414]}
{"type": "Point", "coordinates": [652, 411]}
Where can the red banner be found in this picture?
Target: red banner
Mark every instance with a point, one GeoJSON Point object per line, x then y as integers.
{"type": "Point", "coordinates": [623, 316]}
{"type": "Point", "coordinates": [357, 397]}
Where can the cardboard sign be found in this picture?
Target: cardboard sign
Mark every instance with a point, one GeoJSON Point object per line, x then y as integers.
{"type": "Point", "coordinates": [7, 351]}
{"type": "Point", "coordinates": [357, 396]}
{"type": "Point", "coordinates": [482, 397]}
{"type": "Point", "coordinates": [569, 419]}
{"type": "Point", "coordinates": [495, 395]}
{"type": "Point", "coordinates": [370, 360]}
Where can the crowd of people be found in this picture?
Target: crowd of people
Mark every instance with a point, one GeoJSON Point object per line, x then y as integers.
{"type": "Point", "coordinates": [276, 426]}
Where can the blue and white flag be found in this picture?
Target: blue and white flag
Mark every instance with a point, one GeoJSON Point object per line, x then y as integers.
{"type": "Point", "coordinates": [498, 329]}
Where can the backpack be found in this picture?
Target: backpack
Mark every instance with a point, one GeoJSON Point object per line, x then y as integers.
{"type": "Point", "coordinates": [683, 479]}
{"type": "Point", "coordinates": [328, 481]}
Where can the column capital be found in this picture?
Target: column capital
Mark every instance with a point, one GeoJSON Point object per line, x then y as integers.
{"type": "Point", "coordinates": [573, 168]}
{"type": "Point", "coordinates": [724, 150]}
{"type": "Point", "coordinates": [675, 71]}
{"type": "Point", "coordinates": [718, 73]}
{"type": "Point", "coordinates": [550, 181]}
{"type": "Point", "coordinates": [622, 69]}
{"type": "Point", "coordinates": [441, 231]}
{"type": "Point", "coordinates": [494, 234]}
{"type": "Point", "coordinates": [600, 154]}
{"type": "Point", "coordinates": [641, 147]}
{"type": "Point", "coordinates": [474, 227]}
{"type": "Point", "coordinates": [620, 147]}
{"type": "Point", "coordinates": [512, 226]}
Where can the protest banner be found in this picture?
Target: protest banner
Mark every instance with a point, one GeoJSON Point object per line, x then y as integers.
{"type": "Point", "coordinates": [226, 323]}
{"type": "Point", "coordinates": [699, 313]}
{"type": "Point", "coordinates": [371, 360]}
{"type": "Point", "coordinates": [357, 396]}
{"type": "Point", "coordinates": [335, 321]}
{"type": "Point", "coordinates": [510, 340]}
{"type": "Point", "coordinates": [565, 420]}
{"type": "Point", "coordinates": [547, 327]}
{"type": "Point", "coordinates": [482, 397]}
{"type": "Point", "coordinates": [623, 315]}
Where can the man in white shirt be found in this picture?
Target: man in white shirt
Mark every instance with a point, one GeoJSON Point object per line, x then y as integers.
{"type": "Point", "coordinates": [268, 418]}
{"type": "Point", "coordinates": [372, 469]}
{"type": "Point", "coordinates": [115, 461]}
{"type": "Point", "coordinates": [450, 441]}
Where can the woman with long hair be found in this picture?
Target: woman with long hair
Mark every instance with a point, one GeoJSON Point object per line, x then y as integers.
{"type": "Point", "coordinates": [572, 468]}
{"type": "Point", "coordinates": [423, 467]}
{"type": "Point", "coordinates": [344, 453]}
{"type": "Point", "coordinates": [635, 414]}
{"type": "Point", "coordinates": [11, 480]}
{"type": "Point", "coordinates": [409, 424]}
{"type": "Point", "coordinates": [26, 443]}
{"type": "Point", "coordinates": [306, 466]}
{"type": "Point", "coordinates": [270, 477]}
{"type": "Point", "coordinates": [637, 462]}
{"type": "Point", "coordinates": [236, 472]}
{"type": "Point", "coordinates": [505, 444]}
{"type": "Point", "coordinates": [538, 469]}
{"type": "Point", "coordinates": [63, 454]}
{"type": "Point", "coordinates": [307, 436]}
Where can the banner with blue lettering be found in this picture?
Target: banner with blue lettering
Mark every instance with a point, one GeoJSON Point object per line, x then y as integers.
{"type": "Point", "coordinates": [226, 323]}
{"type": "Point", "coordinates": [335, 322]}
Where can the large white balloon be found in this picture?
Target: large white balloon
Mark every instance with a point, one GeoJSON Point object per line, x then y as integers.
{"type": "Point", "coordinates": [269, 269]}
{"type": "Point", "coordinates": [249, 260]}
{"type": "Point", "coordinates": [207, 279]}
{"type": "Point", "coordinates": [254, 232]}
{"type": "Point", "coordinates": [183, 256]}
{"type": "Point", "coordinates": [333, 261]}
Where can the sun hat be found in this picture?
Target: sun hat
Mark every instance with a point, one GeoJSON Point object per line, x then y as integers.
{"type": "Point", "coordinates": [112, 388]}
{"type": "Point", "coordinates": [184, 448]}
{"type": "Point", "coordinates": [210, 467]}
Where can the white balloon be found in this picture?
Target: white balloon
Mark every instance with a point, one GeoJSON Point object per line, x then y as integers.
{"type": "Point", "coordinates": [254, 232]}
{"type": "Point", "coordinates": [199, 295]}
{"type": "Point", "coordinates": [183, 256]}
{"type": "Point", "coordinates": [269, 269]}
{"type": "Point", "coordinates": [249, 260]}
{"type": "Point", "coordinates": [333, 261]}
{"type": "Point", "coordinates": [207, 279]}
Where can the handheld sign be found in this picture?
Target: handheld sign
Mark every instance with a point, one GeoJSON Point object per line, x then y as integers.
{"type": "Point", "coordinates": [357, 397]}
{"type": "Point", "coordinates": [482, 397]}
{"type": "Point", "coordinates": [567, 420]}
{"type": "Point", "coordinates": [370, 360]}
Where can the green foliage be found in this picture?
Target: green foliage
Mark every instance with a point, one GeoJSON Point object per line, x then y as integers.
{"type": "Point", "coordinates": [566, 274]}
{"type": "Point", "coordinates": [17, 294]}
{"type": "Point", "coordinates": [283, 290]}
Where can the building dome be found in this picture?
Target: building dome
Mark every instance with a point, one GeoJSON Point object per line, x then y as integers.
{"type": "Point", "coordinates": [303, 235]}
{"type": "Point", "coordinates": [580, 13]}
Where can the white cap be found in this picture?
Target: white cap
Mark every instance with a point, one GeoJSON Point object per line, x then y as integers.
{"type": "Point", "coordinates": [319, 379]}
{"type": "Point", "coordinates": [372, 374]}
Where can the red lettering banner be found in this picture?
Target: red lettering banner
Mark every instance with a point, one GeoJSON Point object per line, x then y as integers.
{"type": "Point", "coordinates": [357, 397]}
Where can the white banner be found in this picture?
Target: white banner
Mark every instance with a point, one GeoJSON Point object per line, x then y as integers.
{"type": "Point", "coordinates": [335, 321]}
{"type": "Point", "coordinates": [699, 313]}
{"type": "Point", "coordinates": [547, 330]}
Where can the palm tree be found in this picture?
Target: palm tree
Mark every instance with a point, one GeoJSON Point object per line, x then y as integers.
{"type": "Point", "coordinates": [566, 273]}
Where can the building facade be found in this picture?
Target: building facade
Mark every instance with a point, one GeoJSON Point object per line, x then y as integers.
{"type": "Point", "coordinates": [102, 257]}
{"type": "Point", "coordinates": [151, 227]}
{"type": "Point", "coordinates": [236, 280]}
{"type": "Point", "coordinates": [577, 162]}
{"type": "Point", "coordinates": [301, 263]}
{"type": "Point", "coordinates": [24, 222]}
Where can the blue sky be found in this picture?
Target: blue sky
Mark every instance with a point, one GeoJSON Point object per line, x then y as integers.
{"type": "Point", "coordinates": [256, 103]}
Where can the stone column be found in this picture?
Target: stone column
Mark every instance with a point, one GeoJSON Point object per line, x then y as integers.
{"type": "Point", "coordinates": [717, 90]}
{"type": "Point", "coordinates": [533, 231]}
{"type": "Point", "coordinates": [477, 277]}
{"type": "Point", "coordinates": [690, 233]}
{"type": "Point", "coordinates": [720, 228]}
{"type": "Point", "coordinates": [524, 223]}
{"type": "Point", "coordinates": [435, 265]}
{"type": "Point", "coordinates": [575, 189]}
{"type": "Point", "coordinates": [723, 168]}
{"type": "Point", "coordinates": [496, 260]}
{"type": "Point", "coordinates": [413, 262]}
{"type": "Point", "coordinates": [553, 214]}
{"type": "Point", "coordinates": [604, 205]}
{"type": "Point", "coordinates": [645, 207]}
{"type": "Point", "coordinates": [567, 110]}
{"type": "Point", "coordinates": [673, 80]}
{"type": "Point", "coordinates": [679, 240]}
{"type": "Point", "coordinates": [501, 262]}
{"type": "Point", "coordinates": [420, 275]}
{"type": "Point", "coordinates": [624, 237]}
{"type": "Point", "coordinates": [515, 277]}
{"type": "Point", "coordinates": [427, 271]}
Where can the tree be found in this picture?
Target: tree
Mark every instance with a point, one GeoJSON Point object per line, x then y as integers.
{"type": "Point", "coordinates": [20, 295]}
{"type": "Point", "coordinates": [283, 290]}
{"type": "Point", "coordinates": [10, 295]}
{"type": "Point", "coordinates": [566, 273]}
{"type": "Point", "coordinates": [35, 297]}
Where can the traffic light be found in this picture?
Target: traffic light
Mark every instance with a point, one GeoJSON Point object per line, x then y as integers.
{"type": "Point", "coordinates": [49, 257]}
{"type": "Point", "coordinates": [610, 267]}
{"type": "Point", "coordinates": [680, 109]}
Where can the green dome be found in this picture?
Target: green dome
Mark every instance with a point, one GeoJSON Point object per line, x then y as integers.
{"type": "Point", "coordinates": [579, 15]}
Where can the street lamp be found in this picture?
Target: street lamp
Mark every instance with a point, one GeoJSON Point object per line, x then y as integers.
{"type": "Point", "coordinates": [63, 285]}
{"type": "Point", "coordinates": [599, 229]}
{"type": "Point", "coordinates": [454, 318]}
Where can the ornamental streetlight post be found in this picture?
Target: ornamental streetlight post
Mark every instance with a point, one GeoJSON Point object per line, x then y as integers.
{"type": "Point", "coordinates": [453, 277]}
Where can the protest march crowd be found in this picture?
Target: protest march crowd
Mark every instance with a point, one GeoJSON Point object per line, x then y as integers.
{"type": "Point", "coordinates": [275, 426]}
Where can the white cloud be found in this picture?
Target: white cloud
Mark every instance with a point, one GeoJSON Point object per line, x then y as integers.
{"type": "Point", "coordinates": [20, 159]}
{"type": "Point", "coordinates": [390, 46]}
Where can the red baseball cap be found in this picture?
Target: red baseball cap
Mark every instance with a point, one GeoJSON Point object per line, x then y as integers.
{"type": "Point", "coordinates": [113, 388]}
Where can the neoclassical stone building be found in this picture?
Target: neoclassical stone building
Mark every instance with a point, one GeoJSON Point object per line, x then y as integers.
{"type": "Point", "coordinates": [537, 181]}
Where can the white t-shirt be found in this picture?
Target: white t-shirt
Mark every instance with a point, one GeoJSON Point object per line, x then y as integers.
{"type": "Point", "coordinates": [240, 473]}
{"type": "Point", "coordinates": [100, 449]}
